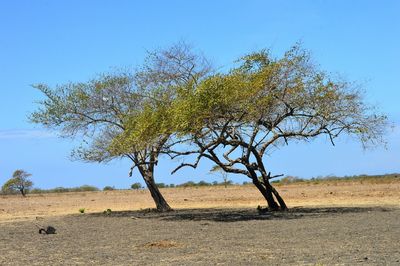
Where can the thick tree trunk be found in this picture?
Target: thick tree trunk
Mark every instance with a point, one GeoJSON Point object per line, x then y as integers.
{"type": "Point", "coordinates": [267, 193]}
{"type": "Point", "coordinates": [158, 198]}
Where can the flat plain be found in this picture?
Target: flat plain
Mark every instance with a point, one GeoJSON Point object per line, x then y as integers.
{"type": "Point", "coordinates": [329, 223]}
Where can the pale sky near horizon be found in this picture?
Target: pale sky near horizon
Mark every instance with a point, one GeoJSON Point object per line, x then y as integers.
{"type": "Point", "coordinates": [55, 42]}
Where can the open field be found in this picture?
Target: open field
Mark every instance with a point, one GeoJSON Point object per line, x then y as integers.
{"type": "Point", "coordinates": [327, 193]}
{"type": "Point", "coordinates": [345, 223]}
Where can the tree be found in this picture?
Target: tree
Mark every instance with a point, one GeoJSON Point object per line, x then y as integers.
{"type": "Point", "coordinates": [264, 103]}
{"type": "Point", "coordinates": [18, 182]}
{"type": "Point", "coordinates": [111, 112]}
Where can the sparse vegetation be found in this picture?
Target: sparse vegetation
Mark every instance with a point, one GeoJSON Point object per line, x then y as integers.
{"type": "Point", "coordinates": [82, 210]}
{"type": "Point", "coordinates": [108, 188]}
{"type": "Point", "coordinates": [84, 188]}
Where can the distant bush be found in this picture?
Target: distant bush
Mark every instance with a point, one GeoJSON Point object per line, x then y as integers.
{"type": "Point", "coordinates": [63, 189]}
{"type": "Point", "coordinates": [204, 184]}
{"type": "Point", "coordinates": [291, 179]}
{"type": "Point", "coordinates": [161, 185]}
{"type": "Point", "coordinates": [136, 186]}
{"type": "Point", "coordinates": [82, 210]}
{"type": "Point", "coordinates": [108, 188]}
{"type": "Point", "coordinates": [38, 190]}
{"type": "Point", "coordinates": [187, 184]}
{"type": "Point", "coordinates": [85, 188]}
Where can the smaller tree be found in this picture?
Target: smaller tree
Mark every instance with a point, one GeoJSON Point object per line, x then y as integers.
{"type": "Point", "coordinates": [18, 182]}
{"type": "Point", "coordinates": [217, 168]}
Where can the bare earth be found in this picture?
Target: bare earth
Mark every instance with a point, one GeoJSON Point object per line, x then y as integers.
{"type": "Point", "coordinates": [330, 223]}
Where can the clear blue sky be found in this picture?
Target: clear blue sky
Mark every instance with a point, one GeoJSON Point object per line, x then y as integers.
{"type": "Point", "coordinates": [59, 41]}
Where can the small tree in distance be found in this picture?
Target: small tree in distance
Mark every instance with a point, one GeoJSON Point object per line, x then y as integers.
{"type": "Point", "coordinates": [217, 168]}
{"type": "Point", "coordinates": [19, 182]}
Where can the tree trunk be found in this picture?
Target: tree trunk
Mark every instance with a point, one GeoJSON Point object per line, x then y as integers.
{"type": "Point", "coordinates": [22, 192]}
{"type": "Point", "coordinates": [279, 198]}
{"type": "Point", "coordinates": [161, 203]}
{"type": "Point", "coordinates": [267, 193]}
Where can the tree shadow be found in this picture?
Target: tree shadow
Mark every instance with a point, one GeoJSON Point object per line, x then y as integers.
{"type": "Point", "coordinates": [242, 214]}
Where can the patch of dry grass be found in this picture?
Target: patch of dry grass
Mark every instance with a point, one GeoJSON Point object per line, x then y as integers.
{"type": "Point", "coordinates": [162, 244]}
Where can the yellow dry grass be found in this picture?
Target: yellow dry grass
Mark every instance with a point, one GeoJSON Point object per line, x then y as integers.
{"type": "Point", "coordinates": [328, 193]}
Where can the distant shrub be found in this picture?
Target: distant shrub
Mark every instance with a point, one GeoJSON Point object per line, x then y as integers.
{"type": "Point", "coordinates": [171, 185]}
{"type": "Point", "coordinates": [82, 210]}
{"type": "Point", "coordinates": [203, 183]}
{"type": "Point", "coordinates": [85, 188]}
{"type": "Point", "coordinates": [60, 190]}
{"type": "Point", "coordinates": [38, 191]}
{"type": "Point", "coordinates": [188, 184]}
{"type": "Point", "coordinates": [291, 179]}
{"type": "Point", "coordinates": [108, 188]}
{"type": "Point", "coordinates": [136, 186]}
{"type": "Point", "coordinates": [161, 185]}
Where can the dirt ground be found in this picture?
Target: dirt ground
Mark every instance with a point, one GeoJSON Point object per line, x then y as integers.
{"type": "Point", "coordinates": [334, 223]}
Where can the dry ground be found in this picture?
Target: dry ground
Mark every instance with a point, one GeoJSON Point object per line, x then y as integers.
{"type": "Point", "coordinates": [330, 223]}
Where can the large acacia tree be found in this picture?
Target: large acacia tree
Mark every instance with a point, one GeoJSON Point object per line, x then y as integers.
{"type": "Point", "coordinates": [236, 118]}
{"type": "Point", "coordinates": [101, 111]}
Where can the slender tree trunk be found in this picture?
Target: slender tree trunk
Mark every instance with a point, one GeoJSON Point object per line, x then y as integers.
{"type": "Point", "coordinates": [158, 198]}
{"type": "Point", "coordinates": [22, 192]}
{"type": "Point", "coordinates": [278, 198]}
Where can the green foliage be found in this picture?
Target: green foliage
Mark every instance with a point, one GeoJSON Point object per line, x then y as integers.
{"type": "Point", "coordinates": [81, 210]}
{"type": "Point", "coordinates": [107, 212]}
{"type": "Point", "coordinates": [108, 188]}
{"type": "Point", "coordinates": [231, 117]}
{"type": "Point", "coordinates": [136, 186]}
{"type": "Point", "coordinates": [161, 185]}
{"type": "Point", "coordinates": [187, 184]}
{"type": "Point", "coordinates": [83, 188]}
{"type": "Point", "coordinates": [291, 179]}
{"type": "Point", "coordinates": [203, 184]}
{"type": "Point", "coordinates": [18, 183]}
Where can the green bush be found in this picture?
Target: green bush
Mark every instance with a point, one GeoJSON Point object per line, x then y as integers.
{"type": "Point", "coordinates": [136, 186]}
{"type": "Point", "coordinates": [108, 188]}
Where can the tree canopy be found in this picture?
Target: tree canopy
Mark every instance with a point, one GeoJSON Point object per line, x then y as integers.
{"type": "Point", "coordinates": [110, 113]}
{"type": "Point", "coordinates": [263, 103]}
{"type": "Point", "coordinates": [176, 104]}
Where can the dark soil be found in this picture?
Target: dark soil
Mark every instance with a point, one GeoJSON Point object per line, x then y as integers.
{"type": "Point", "coordinates": [302, 236]}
